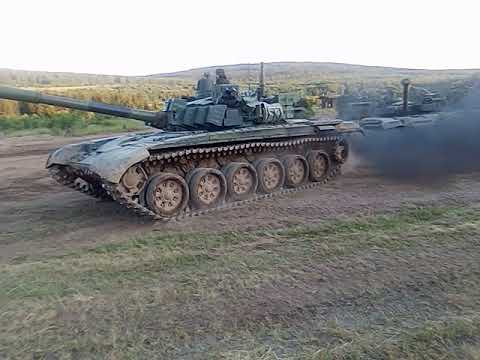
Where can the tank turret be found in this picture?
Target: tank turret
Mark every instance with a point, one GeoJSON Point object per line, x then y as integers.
{"type": "Point", "coordinates": [214, 107]}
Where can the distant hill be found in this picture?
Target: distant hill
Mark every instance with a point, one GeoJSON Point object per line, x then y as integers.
{"type": "Point", "coordinates": [277, 72]}
{"type": "Point", "coordinates": [317, 71]}
{"type": "Point", "coordinates": [44, 78]}
{"type": "Point", "coordinates": [150, 91]}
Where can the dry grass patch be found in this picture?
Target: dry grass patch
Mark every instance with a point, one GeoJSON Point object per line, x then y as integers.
{"type": "Point", "coordinates": [304, 292]}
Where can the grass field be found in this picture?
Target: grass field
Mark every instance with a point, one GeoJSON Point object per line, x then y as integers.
{"type": "Point", "coordinates": [65, 124]}
{"type": "Point", "coordinates": [401, 285]}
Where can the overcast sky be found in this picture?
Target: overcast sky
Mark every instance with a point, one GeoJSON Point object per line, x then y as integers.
{"type": "Point", "coordinates": [147, 36]}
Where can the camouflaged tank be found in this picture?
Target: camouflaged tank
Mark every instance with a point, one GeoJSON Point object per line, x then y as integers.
{"type": "Point", "coordinates": [415, 106]}
{"type": "Point", "coordinates": [419, 123]}
{"type": "Point", "coordinates": [210, 151]}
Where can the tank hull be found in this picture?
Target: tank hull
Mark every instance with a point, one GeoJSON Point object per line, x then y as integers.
{"type": "Point", "coordinates": [122, 167]}
{"type": "Point", "coordinates": [109, 158]}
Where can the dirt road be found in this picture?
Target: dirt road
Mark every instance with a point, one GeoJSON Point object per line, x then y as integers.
{"type": "Point", "coordinates": [37, 216]}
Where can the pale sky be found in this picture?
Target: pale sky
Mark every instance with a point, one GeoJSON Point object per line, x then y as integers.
{"type": "Point", "coordinates": [146, 36]}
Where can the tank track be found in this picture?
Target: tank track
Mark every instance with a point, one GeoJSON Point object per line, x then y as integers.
{"type": "Point", "coordinates": [65, 178]}
{"type": "Point", "coordinates": [95, 187]}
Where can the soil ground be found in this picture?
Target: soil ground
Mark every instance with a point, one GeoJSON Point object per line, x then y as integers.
{"type": "Point", "coordinates": [41, 217]}
{"type": "Point", "coordinates": [367, 267]}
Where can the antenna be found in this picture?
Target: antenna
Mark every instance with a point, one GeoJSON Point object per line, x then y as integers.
{"type": "Point", "coordinates": [249, 79]}
{"type": "Point", "coordinates": [261, 86]}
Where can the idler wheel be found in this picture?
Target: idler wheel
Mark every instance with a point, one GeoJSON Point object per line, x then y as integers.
{"type": "Point", "coordinates": [208, 188]}
{"type": "Point", "coordinates": [342, 150]}
{"type": "Point", "coordinates": [271, 174]}
{"type": "Point", "coordinates": [134, 179]}
{"type": "Point", "coordinates": [167, 194]}
{"type": "Point", "coordinates": [319, 164]}
{"type": "Point", "coordinates": [242, 180]}
{"type": "Point", "coordinates": [296, 170]}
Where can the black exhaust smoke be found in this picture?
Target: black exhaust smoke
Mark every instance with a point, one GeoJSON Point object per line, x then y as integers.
{"type": "Point", "coordinates": [450, 145]}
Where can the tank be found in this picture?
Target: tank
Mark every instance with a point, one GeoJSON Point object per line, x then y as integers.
{"type": "Point", "coordinates": [415, 101]}
{"type": "Point", "coordinates": [207, 152]}
{"type": "Point", "coordinates": [417, 132]}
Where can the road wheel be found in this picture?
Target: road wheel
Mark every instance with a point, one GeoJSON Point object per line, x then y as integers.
{"type": "Point", "coordinates": [296, 170]}
{"type": "Point", "coordinates": [167, 194]}
{"type": "Point", "coordinates": [342, 150]}
{"type": "Point", "coordinates": [271, 174]}
{"type": "Point", "coordinates": [319, 164]}
{"type": "Point", "coordinates": [242, 180]}
{"type": "Point", "coordinates": [208, 188]}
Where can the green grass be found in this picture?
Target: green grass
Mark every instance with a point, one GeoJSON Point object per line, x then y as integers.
{"type": "Point", "coordinates": [458, 338]}
{"type": "Point", "coordinates": [108, 266]}
{"type": "Point", "coordinates": [306, 292]}
{"type": "Point", "coordinates": [65, 124]}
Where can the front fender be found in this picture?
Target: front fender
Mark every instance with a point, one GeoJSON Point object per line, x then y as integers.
{"type": "Point", "coordinates": [108, 165]}
{"type": "Point", "coordinates": [112, 165]}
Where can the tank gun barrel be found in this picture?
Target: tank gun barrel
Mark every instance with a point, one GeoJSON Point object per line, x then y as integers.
{"type": "Point", "coordinates": [149, 117]}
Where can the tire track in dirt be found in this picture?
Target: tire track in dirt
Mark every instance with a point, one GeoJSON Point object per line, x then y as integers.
{"type": "Point", "coordinates": [40, 217]}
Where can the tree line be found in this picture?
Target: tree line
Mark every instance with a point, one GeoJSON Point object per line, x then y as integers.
{"type": "Point", "coordinates": [139, 96]}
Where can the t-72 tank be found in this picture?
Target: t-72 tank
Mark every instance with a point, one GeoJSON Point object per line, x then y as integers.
{"type": "Point", "coordinates": [208, 152]}
{"type": "Point", "coordinates": [418, 135]}
{"type": "Point", "coordinates": [415, 101]}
